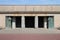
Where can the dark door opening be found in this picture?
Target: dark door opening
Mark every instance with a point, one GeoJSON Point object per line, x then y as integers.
{"type": "Point", "coordinates": [18, 22]}
{"type": "Point", "coordinates": [40, 22]}
{"type": "Point", "coordinates": [29, 21]}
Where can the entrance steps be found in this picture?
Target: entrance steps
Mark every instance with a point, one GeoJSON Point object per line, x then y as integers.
{"type": "Point", "coordinates": [30, 31]}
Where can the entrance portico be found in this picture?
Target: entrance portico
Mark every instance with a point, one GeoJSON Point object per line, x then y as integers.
{"type": "Point", "coordinates": [29, 22]}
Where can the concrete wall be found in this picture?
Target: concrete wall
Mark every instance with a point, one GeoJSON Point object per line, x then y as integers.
{"type": "Point", "coordinates": [56, 19]}
{"type": "Point", "coordinates": [2, 21]}
{"type": "Point", "coordinates": [30, 8]}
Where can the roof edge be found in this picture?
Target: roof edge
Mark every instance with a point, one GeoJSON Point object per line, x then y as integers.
{"type": "Point", "coordinates": [32, 5]}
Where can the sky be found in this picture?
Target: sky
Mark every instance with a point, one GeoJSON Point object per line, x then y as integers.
{"type": "Point", "coordinates": [29, 2]}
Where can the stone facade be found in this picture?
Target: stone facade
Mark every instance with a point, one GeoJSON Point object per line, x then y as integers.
{"type": "Point", "coordinates": [29, 11]}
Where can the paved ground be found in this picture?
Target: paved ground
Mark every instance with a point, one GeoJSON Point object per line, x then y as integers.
{"type": "Point", "coordinates": [29, 34]}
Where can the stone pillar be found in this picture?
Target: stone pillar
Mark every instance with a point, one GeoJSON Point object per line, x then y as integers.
{"type": "Point", "coordinates": [45, 22]}
{"type": "Point", "coordinates": [13, 23]}
{"type": "Point", "coordinates": [36, 21]}
{"type": "Point", "coordinates": [23, 22]}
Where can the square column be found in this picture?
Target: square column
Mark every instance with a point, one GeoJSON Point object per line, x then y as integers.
{"type": "Point", "coordinates": [45, 22]}
{"type": "Point", "coordinates": [23, 22]}
{"type": "Point", "coordinates": [36, 21]}
{"type": "Point", "coordinates": [13, 23]}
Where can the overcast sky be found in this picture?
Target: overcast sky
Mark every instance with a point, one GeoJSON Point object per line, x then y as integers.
{"type": "Point", "coordinates": [29, 2]}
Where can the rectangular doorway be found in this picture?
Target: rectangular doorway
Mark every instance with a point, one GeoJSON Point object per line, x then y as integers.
{"type": "Point", "coordinates": [29, 21]}
{"type": "Point", "coordinates": [40, 22]}
{"type": "Point", "coordinates": [46, 22]}
{"type": "Point", "coordinates": [13, 22]}
{"type": "Point", "coordinates": [18, 21]}
{"type": "Point", "coordinates": [8, 22]}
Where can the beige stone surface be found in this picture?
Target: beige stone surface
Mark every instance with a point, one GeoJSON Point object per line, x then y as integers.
{"type": "Point", "coordinates": [30, 31]}
{"type": "Point", "coordinates": [2, 21]}
{"type": "Point", "coordinates": [55, 8]}
{"type": "Point", "coordinates": [30, 8]}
